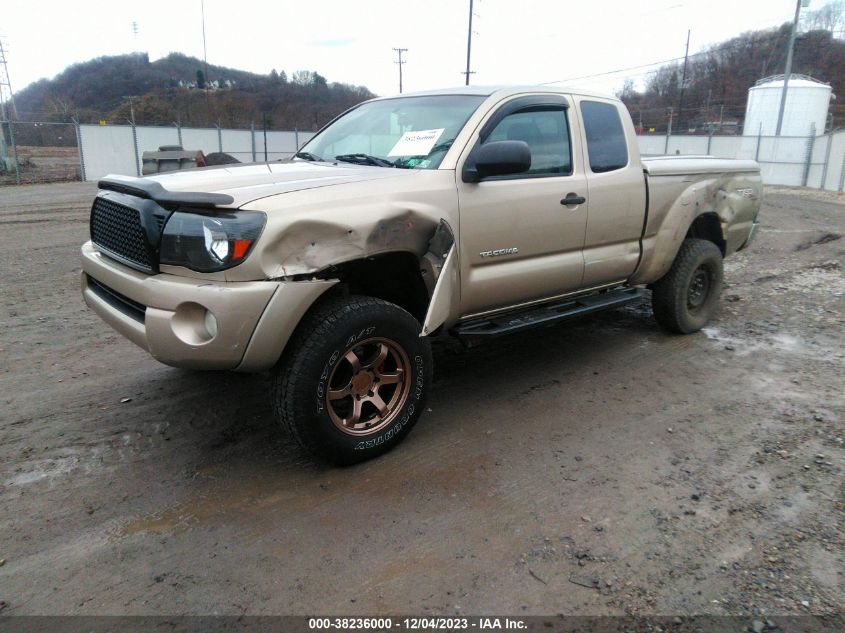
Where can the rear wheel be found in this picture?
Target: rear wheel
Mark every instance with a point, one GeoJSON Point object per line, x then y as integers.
{"type": "Point", "coordinates": [686, 298]}
{"type": "Point", "coordinates": [353, 380]}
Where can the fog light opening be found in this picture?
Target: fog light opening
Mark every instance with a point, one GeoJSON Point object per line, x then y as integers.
{"type": "Point", "coordinates": [210, 324]}
{"type": "Point", "coordinates": [193, 324]}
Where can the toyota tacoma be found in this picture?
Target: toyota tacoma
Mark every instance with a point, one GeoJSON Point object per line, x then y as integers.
{"type": "Point", "coordinates": [470, 212]}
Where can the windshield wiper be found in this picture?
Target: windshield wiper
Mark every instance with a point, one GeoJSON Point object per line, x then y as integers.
{"type": "Point", "coordinates": [364, 159]}
{"type": "Point", "coordinates": [307, 156]}
{"type": "Point", "coordinates": [441, 146]}
{"type": "Point", "coordinates": [409, 162]}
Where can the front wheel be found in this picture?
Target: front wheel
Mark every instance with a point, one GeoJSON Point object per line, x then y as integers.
{"type": "Point", "coordinates": [353, 380]}
{"type": "Point", "coordinates": [686, 297]}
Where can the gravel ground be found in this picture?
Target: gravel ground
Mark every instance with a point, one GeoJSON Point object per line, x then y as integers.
{"type": "Point", "coordinates": [597, 467]}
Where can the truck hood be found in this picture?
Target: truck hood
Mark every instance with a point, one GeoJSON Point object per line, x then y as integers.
{"type": "Point", "coordinates": [247, 183]}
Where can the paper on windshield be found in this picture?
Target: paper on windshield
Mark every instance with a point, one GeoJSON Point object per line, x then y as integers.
{"type": "Point", "coordinates": [418, 143]}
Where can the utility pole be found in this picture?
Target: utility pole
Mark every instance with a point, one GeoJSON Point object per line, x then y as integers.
{"type": "Point", "coordinates": [264, 124]}
{"type": "Point", "coordinates": [7, 97]}
{"type": "Point", "coordinates": [205, 63]}
{"type": "Point", "coordinates": [788, 70]}
{"type": "Point", "coordinates": [668, 131]}
{"type": "Point", "coordinates": [683, 85]}
{"type": "Point", "coordinates": [468, 72]}
{"type": "Point", "coordinates": [8, 112]}
{"type": "Point", "coordinates": [134, 135]}
{"type": "Point", "coordinates": [399, 52]}
{"type": "Point", "coordinates": [135, 29]}
{"type": "Point", "coordinates": [131, 108]}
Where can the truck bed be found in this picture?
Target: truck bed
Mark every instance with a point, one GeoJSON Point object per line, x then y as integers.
{"type": "Point", "coordinates": [681, 188]}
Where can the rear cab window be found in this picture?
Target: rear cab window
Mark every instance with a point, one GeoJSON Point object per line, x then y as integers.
{"type": "Point", "coordinates": [607, 146]}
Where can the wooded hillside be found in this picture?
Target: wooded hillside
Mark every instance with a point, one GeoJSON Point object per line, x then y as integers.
{"type": "Point", "coordinates": [176, 88]}
{"type": "Point", "coordinates": [718, 79]}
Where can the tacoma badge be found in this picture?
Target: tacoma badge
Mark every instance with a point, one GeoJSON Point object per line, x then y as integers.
{"type": "Point", "coordinates": [513, 250]}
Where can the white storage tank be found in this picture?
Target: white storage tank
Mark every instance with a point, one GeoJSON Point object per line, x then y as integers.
{"type": "Point", "coordinates": [807, 102]}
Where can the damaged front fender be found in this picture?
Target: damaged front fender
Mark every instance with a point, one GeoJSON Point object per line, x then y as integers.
{"type": "Point", "coordinates": [309, 246]}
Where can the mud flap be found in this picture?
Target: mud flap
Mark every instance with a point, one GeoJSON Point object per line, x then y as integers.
{"type": "Point", "coordinates": [440, 270]}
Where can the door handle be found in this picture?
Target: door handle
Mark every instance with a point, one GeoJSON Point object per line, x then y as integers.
{"type": "Point", "coordinates": [572, 199]}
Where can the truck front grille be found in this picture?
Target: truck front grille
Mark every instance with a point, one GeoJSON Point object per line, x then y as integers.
{"type": "Point", "coordinates": [116, 229]}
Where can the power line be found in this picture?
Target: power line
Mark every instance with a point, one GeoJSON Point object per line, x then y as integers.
{"type": "Point", "coordinates": [714, 49]}
{"type": "Point", "coordinates": [621, 70]}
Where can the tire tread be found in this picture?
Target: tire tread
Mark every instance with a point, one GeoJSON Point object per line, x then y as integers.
{"type": "Point", "coordinates": [668, 303]}
{"type": "Point", "coordinates": [302, 349]}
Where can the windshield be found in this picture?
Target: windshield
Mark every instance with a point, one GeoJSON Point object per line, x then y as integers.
{"type": "Point", "coordinates": [408, 132]}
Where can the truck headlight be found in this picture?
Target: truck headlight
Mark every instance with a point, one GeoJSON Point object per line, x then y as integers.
{"type": "Point", "coordinates": [208, 243]}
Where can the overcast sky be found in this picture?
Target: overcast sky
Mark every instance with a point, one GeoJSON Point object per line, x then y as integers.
{"type": "Point", "coordinates": [514, 41]}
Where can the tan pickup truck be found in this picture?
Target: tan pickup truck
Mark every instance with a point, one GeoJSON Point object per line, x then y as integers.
{"type": "Point", "coordinates": [470, 212]}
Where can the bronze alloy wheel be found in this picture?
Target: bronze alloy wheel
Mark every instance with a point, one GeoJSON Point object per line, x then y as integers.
{"type": "Point", "coordinates": [368, 386]}
{"type": "Point", "coordinates": [353, 380]}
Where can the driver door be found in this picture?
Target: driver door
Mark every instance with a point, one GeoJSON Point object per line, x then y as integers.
{"type": "Point", "coordinates": [519, 241]}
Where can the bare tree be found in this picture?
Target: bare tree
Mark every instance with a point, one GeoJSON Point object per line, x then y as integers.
{"type": "Point", "coordinates": [628, 89]}
{"type": "Point", "coordinates": [831, 18]}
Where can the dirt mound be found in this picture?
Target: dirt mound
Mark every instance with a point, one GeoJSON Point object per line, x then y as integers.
{"type": "Point", "coordinates": [220, 158]}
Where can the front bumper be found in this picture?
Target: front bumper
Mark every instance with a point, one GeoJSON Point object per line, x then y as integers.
{"type": "Point", "coordinates": [167, 315]}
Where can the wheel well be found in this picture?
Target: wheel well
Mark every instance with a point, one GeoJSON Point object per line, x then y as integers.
{"type": "Point", "coordinates": [708, 227]}
{"type": "Point", "coordinates": [394, 277]}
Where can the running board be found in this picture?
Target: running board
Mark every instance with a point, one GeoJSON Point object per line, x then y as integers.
{"type": "Point", "coordinates": [547, 313]}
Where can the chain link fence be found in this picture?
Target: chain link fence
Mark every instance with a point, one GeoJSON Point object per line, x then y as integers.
{"type": "Point", "coordinates": [797, 161]}
{"type": "Point", "coordinates": [37, 152]}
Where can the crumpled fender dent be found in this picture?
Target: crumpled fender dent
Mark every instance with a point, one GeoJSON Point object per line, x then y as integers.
{"type": "Point", "coordinates": [310, 246]}
{"type": "Point", "coordinates": [675, 203]}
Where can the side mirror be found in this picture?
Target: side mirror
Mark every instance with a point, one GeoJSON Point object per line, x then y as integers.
{"type": "Point", "coordinates": [499, 158]}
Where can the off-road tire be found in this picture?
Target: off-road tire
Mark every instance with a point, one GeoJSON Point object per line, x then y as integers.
{"type": "Point", "coordinates": [304, 375]}
{"type": "Point", "coordinates": [697, 263]}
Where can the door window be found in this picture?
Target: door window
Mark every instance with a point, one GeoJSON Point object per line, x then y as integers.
{"type": "Point", "coordinates": [605, 137]}
{"type": "Point", "coordinates": [546, 131]}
